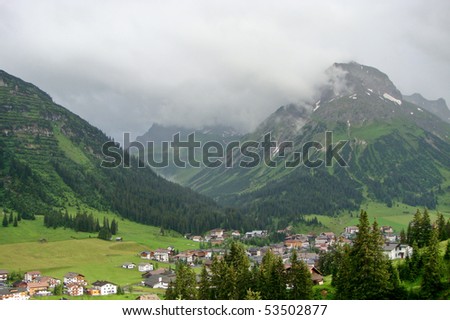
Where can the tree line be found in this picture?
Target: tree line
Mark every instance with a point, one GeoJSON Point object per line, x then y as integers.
{"type": "Point", "coordinates": [82, 222]}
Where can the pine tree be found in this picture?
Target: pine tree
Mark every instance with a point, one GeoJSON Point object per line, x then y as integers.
{"type": "Point", "coordinates": [204, 290]}
{"type": "Point", "coordinates": [114, 227]}
{"type": "Point", "coordinates": [237, 258]}
{"type": "Point", "coordinates": [299, 279]}
{"type": "Point", "coordinates": [5, 220]}
{"type": "Point", "coordinates": [58, 290]}
{"type": "Point", "coordinates": [11, 219]}
{"type": "Point", "coordinates": [431, 281]}
{"type": "Point", "coordinates": [272, 278]}
{"type": "Point", "coordinates": [366, 266]}
{"type": "Point", "coordinates": [440, 223]}
{"type": "Point", "coordinates": [15, 223]}
{"type": "Point", "coordinates": [447, 252]}
{"type": "Point", "coordinates": [184, 287]}
{"type": "Point", "coordinates": [403, 238]}
{"type": "Point", "coordinates": [252, 295]}
{"type": "Point", "coordinates": [426, 230]}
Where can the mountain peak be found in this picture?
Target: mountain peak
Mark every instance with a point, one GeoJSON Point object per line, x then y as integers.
{"type": "Point", "coordinates": [438, 107]}
{"type": "Point", "coordinates": [352, 77]}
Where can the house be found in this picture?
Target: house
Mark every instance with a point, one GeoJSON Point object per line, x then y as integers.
{"type": "Point", "coordinates": [159, 281]}
{"type": "Point", "coordinates": [14, 294]}
{"type": "Point", "coordinates": [216, 233]}
{"type": "Point", "coordinates": [351, 229]}
{"type": "Point", "coordinates": [74, 289]}
{"type": "Point", "coordinates": [146, 255]}
{"type": "Point", "coordinates": [197, 239]}
{"type": "Point", "coordinates": [397, 251]}
{"type": "Point", "coordinates": [256, 234]}
{"type": "Point", "coordinates": [161, 255]}
{"type": "Point", "coordinates": [40, 288]}
{"type": "Point", "coordinates": [119, 239]}
{"type": "Point", "coordinates": [316, 276]}
{"type": "Point", "coordinates": [293, 243]}
{"type": "Point", "coordinates": [254, 252]}
{"type": "Point", "coordinates": [277, 249]}
{"type": "Point", "coordinates": [185, 257]}
{"type": "Point", "coordinates": [3, 275]}
{"type": "Point", "coordinates": [104, 287]}
{"type": "Point", "coordinates": [387, 229]}
{"type": "Point", "coordinates": [31, 275]}
{"type": "Point", "coordinates": [128, 265]}
{"type": "Point", "coordinates": [52, 282]}
{"type": "Point", "coordinates": [73, 277]}
{"type": "Point", "coordinates": [144, 267]}
{"type": "Point", "coordinates": [390, 237]}
{"type": "Point", "coordinates": [329, 235]}
{"type": "Point", "coordinates": [236, 234]}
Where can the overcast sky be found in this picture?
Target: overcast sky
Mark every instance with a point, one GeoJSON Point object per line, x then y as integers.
{"type": "Point", "coordinates": [123, 65]}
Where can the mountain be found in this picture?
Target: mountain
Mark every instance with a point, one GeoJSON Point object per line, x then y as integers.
{"type": "Point", "coordinates": [396, 152]}
{"type": "Point", "coordinates": [50, 160]}
{"type": "Point", "coordinates": [160, 133]}
{"type": "Point", "coordinates": [438, 107]}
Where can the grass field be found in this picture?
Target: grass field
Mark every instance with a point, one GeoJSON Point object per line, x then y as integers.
{"type": "Point", "coordinates": [67, 250]}
{"type": "Point", "coordinates": [397, 217]}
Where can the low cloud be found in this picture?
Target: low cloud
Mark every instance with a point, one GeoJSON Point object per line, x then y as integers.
{"type": "Point", "coordinates": [124, 65]}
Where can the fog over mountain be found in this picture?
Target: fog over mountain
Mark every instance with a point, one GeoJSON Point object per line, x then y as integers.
{"type": "Point", "coordinates": [125, 65]}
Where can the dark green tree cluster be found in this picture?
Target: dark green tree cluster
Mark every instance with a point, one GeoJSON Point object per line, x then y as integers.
{"type": "Point", "coordinates": [419, 229]}
{"type": "Point", "coordinates": [10, 219]}
{"type": "Point", "coordinates": [82, 222]}
{"type": "Point", "coordinates": [108, 230]}
{"type": "Point", "coordinates": [231, 277]}
{"type": "Point", "coordinates": [364, 272]}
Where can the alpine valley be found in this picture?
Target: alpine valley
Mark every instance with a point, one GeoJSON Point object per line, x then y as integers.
{"type": "Point", "coordinates": [397, 153]}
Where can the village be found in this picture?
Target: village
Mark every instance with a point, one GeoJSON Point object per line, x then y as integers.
{"type": "Point", "coordinates": [212, 244]}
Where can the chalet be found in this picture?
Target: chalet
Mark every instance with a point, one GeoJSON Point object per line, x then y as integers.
{"type": "Point", "coordinates": [161, 255]}
{"type": "Point", "coordinates": [256, 234]}
{"type": "Point", "coordinates": [14, 294]}
{"type": "Point", "coordinates": [185, 257]}
{"type": "Point", "coordinates": [40, 288]}
{"type": "Point", "coordinates": [236, 234]}
{"type": "Point", "coordinates": [254, 252]}
{"type": "Point", "coordinates": [104, 287]}
{"type": "Point", "coordinates": [351, 229]}
{"type": "Point", "coordinates": [76, 278]}
{"type": "Point", "coordinates": [197, 239]}
{"type": "Point", "coordinates": [397, 251]}
{"type": "Point", "coordinates": [159, 281]}
{"type": "Point", "coordinates": [299, 237]}
{"type": "Point", "coordinates": [277, 249]}
{"type": "Point", "coordinates": [3, 275]}
{"type": "Point", "coordinates": [52, 282]}
{"type": "Point", "coordinates": [387, 229]}
{"type": "Point", "coordinates": [390, 237]}
{"type": "Point", "coordinates": [199, 254]}
{"type": "Point", "coordinates": [128, 265]}
{"type": "Point", "coordinates": [293, 243]}
{"type": "Point", "coordinates": [144, 267]}
{"type": "Point", "coordinates": [146, 255]}
{"type": "Point", "coordinates": [31, 275]}
{"type": "Point", "coordinates": [316, 276]}
{"type": "Point", "coordinates": [329, 235]}
{"type": "Point", "coordinates": [74, 289]}
{"type": "Point", "coordinates": [216, 233]}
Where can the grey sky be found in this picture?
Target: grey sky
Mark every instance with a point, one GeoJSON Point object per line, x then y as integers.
{"type": "Point", "coordinates": [122, 65]}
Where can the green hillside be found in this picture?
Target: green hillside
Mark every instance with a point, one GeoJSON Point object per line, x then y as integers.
{"type": "Point", "coordinates": [50, 160]}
